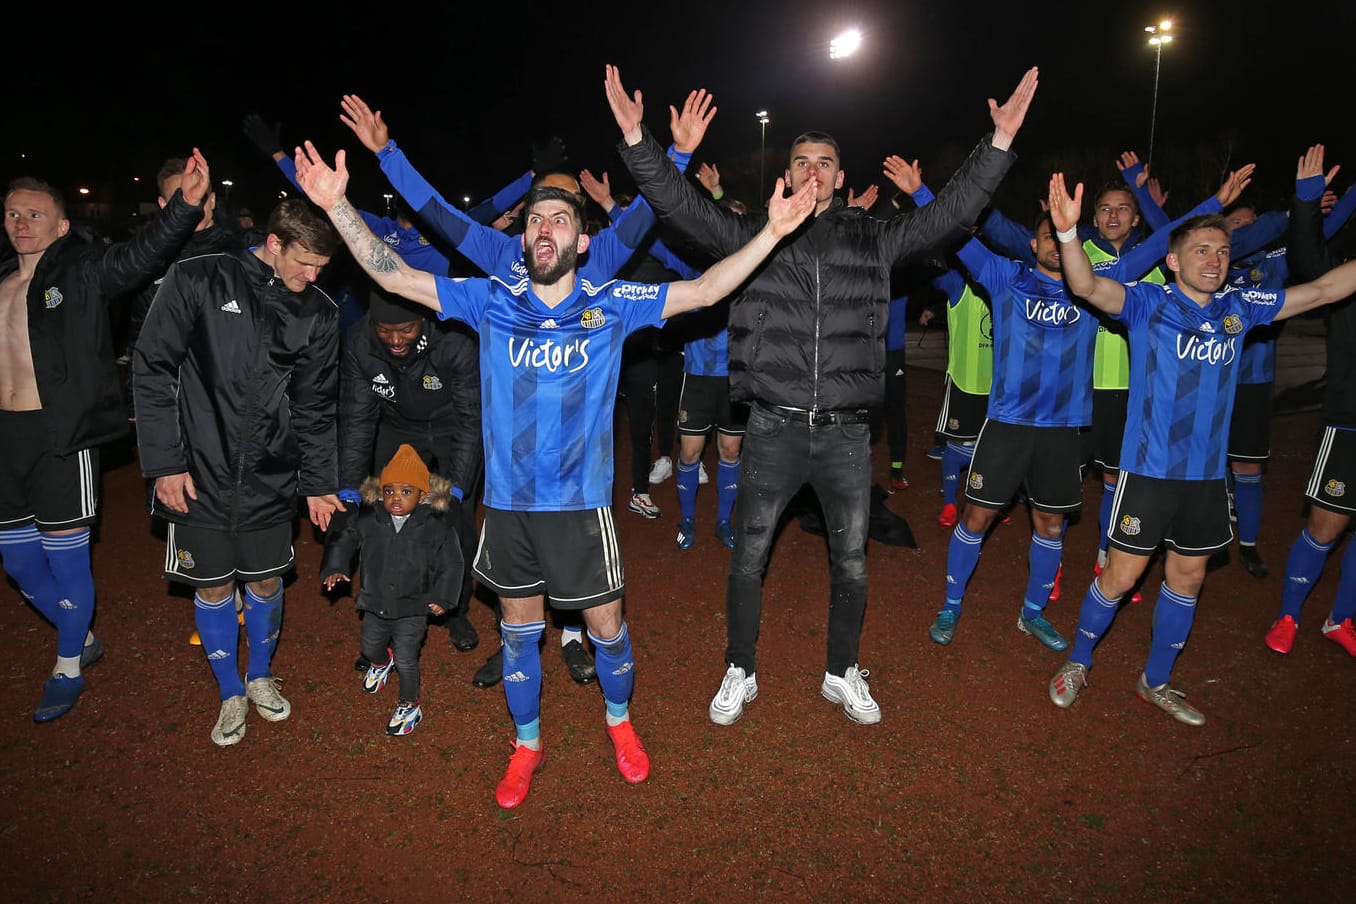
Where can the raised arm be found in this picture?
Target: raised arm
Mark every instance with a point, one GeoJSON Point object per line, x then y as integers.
{"type": "Point", "coordinates": [1136, 177]}
{"type": "Point", "coordinates": [1008, 118]}
{"type": "Point", "coordinates": [325, 186]}
{"type": "Point", "coordinates": [723, 277]}
{"type": "Point", "coordinates": [1105, 294]}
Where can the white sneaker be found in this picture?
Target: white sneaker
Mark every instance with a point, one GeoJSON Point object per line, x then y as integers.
{"type": "Point", "coordinates": [642, 504]}
{"type": "Point", "coordinates": [701, 473]}
{"type": "Point", "coordinates": [263, 693]}
{"type": "Point", "coordinates": [735, 690]}
{"type": "Point", "coordinates": [852, 692]}
{"type": "Point", "coordinates": [230, 727]}
{"type": "Point", "coordinates": [662, 469]}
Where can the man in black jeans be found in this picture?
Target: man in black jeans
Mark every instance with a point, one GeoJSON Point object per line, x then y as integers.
{"type": "Point", "coordinates": [807, 351]}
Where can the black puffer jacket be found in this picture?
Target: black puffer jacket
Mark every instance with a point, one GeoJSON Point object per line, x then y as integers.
{"type": "Point", "coordinates": [808, 329]}
{"type": "Point", "coordinates": [401, 572]}
{"type": "Point", "coordinates": [235, 381]}
{"type": "Point", "coordinates": [433, 393]}
{"type": "Point", "coordinates": [1311, 257]}
{"type": "Point", "coordinates": [68, 329]}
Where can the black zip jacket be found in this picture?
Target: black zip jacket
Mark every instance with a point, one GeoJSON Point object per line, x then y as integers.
{"type": "Point", "coordinates": [235, 381]}
{"type": "Point", "coordinates": [401, 572]}
{"type": "Point", "coordinates": [433, 393]}
{"type": "Point", "coordinates": [1311, 257]}
{"type": "Point", "coordinates": [808, 328]}
{"type": "Point", "coordinates": [68, 329]}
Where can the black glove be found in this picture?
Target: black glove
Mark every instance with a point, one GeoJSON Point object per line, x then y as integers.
{"type": "Point", "coordinates": [265, 137]}
{"type": "Point", "coordinates": [340, 518]}
{"type": "Point", "coordinates": [549, 156]}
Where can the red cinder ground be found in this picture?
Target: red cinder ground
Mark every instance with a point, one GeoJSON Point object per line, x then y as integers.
{"type": "Point", "coordinates": [973, 786]}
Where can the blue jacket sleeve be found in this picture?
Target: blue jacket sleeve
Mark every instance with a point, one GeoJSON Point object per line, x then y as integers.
{"type": "Point", "coordinates": [1149, 211]}
{"type": "Point", "coordinates": [665, 256]}
{"type": "Point", "coordinates": [487, 211]}
{"type": "Point", "coordinates": [951, 284]}
{"type": "Point", "coordinates": [1007, 237]}
{"type": "Point", "coordinates": [1261, 232]}
{"type": "Point", "coordinates": [482, 245]}
{"type": "Point", "coordinates": [288, 166]}
{"type": "Point", "coordinates": [1142, 258]}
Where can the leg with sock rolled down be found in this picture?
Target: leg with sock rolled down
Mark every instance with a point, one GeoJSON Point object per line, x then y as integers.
{"type": "Point", "coordinates": [522, 628]}
{"type": "Point", "coordinates": [1308, 554]}
{"type": "Point", "coordinates": [961, 558]}
{"type": "Point", "coordinates": [616, 678]}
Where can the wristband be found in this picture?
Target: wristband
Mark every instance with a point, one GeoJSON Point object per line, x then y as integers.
{"type": "Point", "coordinates": [387, 148]}
{"type": "Point", "coordinates": [350, 496]}
{"type": "Point", "coordinates": [718, 193]}
{"type": "Point", "coordinates": [1068, 235]}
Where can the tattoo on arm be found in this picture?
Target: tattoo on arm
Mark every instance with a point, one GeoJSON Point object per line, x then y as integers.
{"type": "Point", "coordinates": [368, 250]}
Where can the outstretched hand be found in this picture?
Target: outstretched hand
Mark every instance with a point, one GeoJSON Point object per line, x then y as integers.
{"type": "Point", "coordinates": [907, 177]}
{"type": "Point", "coordinates": [323, 185]}
{"type": "Point", "coordinates": [709, 176]}
{"type": "Point", "coordinates": [1157, 193]}
{"type": "Point", "coordinates": [368, 126]}
{"type": "Point", "coordinates": [689, 126]}
{"type": "Point", "coordinates": [197, 183]}
{"type": "Point", "coordinates": [600, 190]}
{"type": "Point", "coordinates": [866, 200]}
{"type": "Point", "coordinates": [1129, 160]}
{"type": "Point", "coordinates": [629, 111]}
{"type": "Point", "coordinates": [1234, 184]}
{"type": "Point", "coordinates": [785, 214]}
{"type": "Point", "coordinates": [1064, 210]}
{"type": "Point", "coordinates": [333, 579]}
{"type": "Point", "coordinates": [1007, 119]}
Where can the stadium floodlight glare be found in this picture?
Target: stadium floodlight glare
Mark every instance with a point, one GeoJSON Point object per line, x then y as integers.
{"type": "Point", "coordinates": [845, 44]}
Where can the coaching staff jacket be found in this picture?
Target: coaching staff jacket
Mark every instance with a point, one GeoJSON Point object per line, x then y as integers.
{"type": "Point", "coordinates": [432, 393]}
{"type": "Point", "coordinates": [808, 329]}
{"type": "Point", "coordinates": [235, 381]}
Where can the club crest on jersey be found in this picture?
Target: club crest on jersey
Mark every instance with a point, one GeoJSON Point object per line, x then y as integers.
{"type": "Point", "coordinates": [952, 423]}
{"type": "Point", "coordinates": [1130, 526]}
{"type": "Point", "coordinates": [1335, 488]}
{"type": "Point", "coordinates": [52, 298]}
{"type": "Point", "coordinates": [1233, 324]}
{"type": "Point", "coordinates": [423, 239]}
{"type": "Point", "coordinates": [184, 558]}
{"type": "Point", "coordinates": [1256, 275]}
{"type": "Point", "coordinates": [592, 319]}
{"type": "Point", "coordinates": [976, 481]}
{"type": "Point", "coordinates": [431, 381]}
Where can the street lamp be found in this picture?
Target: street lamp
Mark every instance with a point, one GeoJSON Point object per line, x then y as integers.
{"type": "Point", "coordinates": [762, 149]}
{"type": "Point", "coordinates": [389, 198]}
{"type": "Point", "coordinates": [1158, 37]}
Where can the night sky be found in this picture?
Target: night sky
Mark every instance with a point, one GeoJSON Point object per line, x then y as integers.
{"type": "Point", "coordinates": [467, 88]}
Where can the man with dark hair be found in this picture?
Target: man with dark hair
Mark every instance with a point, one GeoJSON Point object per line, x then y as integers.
{"type": "Point", "coordinates": [235, 384]}
{"type": "Point", "coordinates": [1184, 343]}
{"type": "Point", "coordinates": [807, 350]}
{"type": "Point", "coordinates": [60, 400]}
{"type": "Point", "coordinates": [550, 353]}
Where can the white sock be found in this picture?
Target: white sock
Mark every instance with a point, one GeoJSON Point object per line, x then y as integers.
{"type": "Point", "coordinates": [569, 634]}
{"type": "Point", "coordinates": [68, 666]}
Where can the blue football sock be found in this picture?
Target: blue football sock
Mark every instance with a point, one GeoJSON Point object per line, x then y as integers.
{"type": "Point", "coordinates": [26, 562]}
{"type": "Point", "coordinates": [68, 557]}
{"type": "Point", "coordinates": [1173, 615]}
{"type": "Point", "coordinates": [1302, 569]}
{"type": "Point", "coordinates": [727, 488]}
{"type": "Point", "coordinates": [522, 671]}
{"type": "Point", "coordinates": [1104, 513]}
{"type": "Point", "coordinates": [1042, 561]}
{"type": "Point", "coordinates": [961, 557]}
{"type": "Point", "coordinates": [1344, 606]}
{"type": "Point", "coordinates": [220, 633]}
{"type": "Point", "coordinates": [263, 624]}
{"type": "Point", "coordinates": [686, 480]}
{"type": "Point", "coordinates": [954, 457]}
{"type": "Point", "coordinates": [1248, 506]}
{"type": "Point", "coordinates": [1095, 616]}
{"type": "Point", "coordinates": [616, 673]}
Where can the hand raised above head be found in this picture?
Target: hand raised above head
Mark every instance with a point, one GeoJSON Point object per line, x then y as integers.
{"type": "Point", "coordinates": [629, 111]}
{"type": "Point", "coordinates": [906, 176]}
{"type": "Point", "coordinates": [1007, 119]}
{"type": "Point", "coordinates": [325, 186]}
{"type": "Point", "coordinates": [1064, 209]}
{"type": "Point", "coordinates": [786, 213]}
{"type": "Point", "coordinates": [689, 126]}
{"type": "Point", "coordinates": [370, 128]}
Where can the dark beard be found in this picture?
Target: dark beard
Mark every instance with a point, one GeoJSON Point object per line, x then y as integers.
{"type": "Point", "coordinates": [566, 258]}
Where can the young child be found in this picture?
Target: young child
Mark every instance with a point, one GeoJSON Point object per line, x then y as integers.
{"type": "Point", "coordinates": [411, 565]}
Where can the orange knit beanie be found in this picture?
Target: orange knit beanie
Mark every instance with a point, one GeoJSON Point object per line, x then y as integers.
{"type": "Point", "coordinates": [406, 467]}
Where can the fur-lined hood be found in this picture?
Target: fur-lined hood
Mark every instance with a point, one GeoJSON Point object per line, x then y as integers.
{"type": "Point", "coordinates": [439, 493]}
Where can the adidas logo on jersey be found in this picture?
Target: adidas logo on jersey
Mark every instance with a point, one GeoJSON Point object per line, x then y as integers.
{"type": "Point", "coordinates": [1207, 327]}
{"type": "Point", "coordinates": [231, 307]}
{"type": "Point", "coordinates": [380, 378]}
{"type": "Point", "coordinates": [549, 324]}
